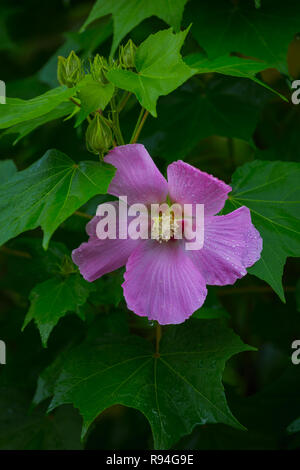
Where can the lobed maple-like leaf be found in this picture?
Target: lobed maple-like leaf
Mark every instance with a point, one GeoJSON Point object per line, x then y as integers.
{"type": "Point", "coordinates": [271, 190]}
{"type": "Point", "coordinates": [129, 13]}
{"type": "Point", "coordinates": [48, 192]}
{"type": "Point", "coordinates": [159, 69]}
{"type": "Point", "coordinates": [52, 299]}
{"type": "Point", "coordinates": [175, 389]}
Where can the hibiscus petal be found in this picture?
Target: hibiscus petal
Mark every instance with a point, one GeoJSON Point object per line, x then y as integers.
{"type": "Point", "coordinates": [98, 257]}
{"type": "Point", "coordinates": [137, 176]}
{"type": "Point", "coordinates": [162, 283]}
{"type": "Point", "coordinates": [231, 244]}
{"type": "Point", "coordinates": [188, 185]}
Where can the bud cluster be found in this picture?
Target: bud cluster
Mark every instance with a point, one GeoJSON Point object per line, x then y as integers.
{"type": "Point", "coordinates": [70, 71]}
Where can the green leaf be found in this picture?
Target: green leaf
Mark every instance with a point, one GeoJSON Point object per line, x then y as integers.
{"type": "Point", "coordinates": [48, 192]}
{"type": "Point", "coordinates": [230, 65]}
{"type": "Point", "coordinates": [7, 170]}
{"type": "Point", "coordinates": [108, 290]}
{"type": "Point", "coordinates": [129, 13]}
{"type": "Point", "coordinates": [294, 426]}
{"type": "Point", "coordinates": [283, 145]}
{"type": "Point", "coordinates": [47, 379]}
{"type": "Point", "coordinates": [37, 263]}
{"type": "Point", "coordinates": [22, 430]}
{"type": "Point", "coordinates": [226, 27]}
{"type": "Point", "coordinates": [24, 128]}
{"type": "Point", "coordinates": [175, 390]}
{"type": "Point", "coordinates": [226, 65]}
{"type": "Point", "coordinates": [52, 299]}
{"type": "Point", "coordinates": [16, 110]}
{"type": "Point", "coordinates": [211, 309]}
{"type": "Point", "coordinates": [195, 112]}
{"type": "Point", "coordinates": [271, 191]}
{"type": "Point", "coordinates": [93, 95]}
{"type": "Point", "coordinates": [112, 323]}
{"type": "Point", "coordinates": [160, 69]}
{"type": "Point", "coordinates": [266, 415]}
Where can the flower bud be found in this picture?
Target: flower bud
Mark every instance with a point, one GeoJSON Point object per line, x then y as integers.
{"type": "Point", "coordinates": [99, 68]}
{"type": "Point", "coordinates": [99, 137]}
{"type": "Point", "coordinates": [127, 55]}
{"type": "Point", "coordinates": [69, 70]}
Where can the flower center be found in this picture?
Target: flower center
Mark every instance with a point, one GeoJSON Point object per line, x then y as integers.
{"type": "Point", "coordinates": [164, 227]}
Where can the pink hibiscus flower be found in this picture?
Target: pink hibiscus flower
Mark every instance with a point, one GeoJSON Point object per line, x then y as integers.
{"type": "Point", "coordinates": [164, 281]}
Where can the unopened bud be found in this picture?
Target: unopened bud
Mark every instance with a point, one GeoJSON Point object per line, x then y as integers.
{"type": "Point", "coordinates": [127, 55]}
{"type": "Point", "coordinates": [99, 137]}
{"type": "Point", "coordinates": [69, 70]}
{"type": "Point", "coordinates": [99, 68]}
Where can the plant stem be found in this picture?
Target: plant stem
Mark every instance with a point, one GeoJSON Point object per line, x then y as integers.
{"type": "Point", "coordinates": [123, 101]}
{"type": "Point", "coordinates": [158, 338]}
{"type": "Point", "coordinates": [116, 123]}
{"type": "Point", "coordinates": [75, 102]}
{"type": "Point", "coordinates": [140, 127]}
{"type": "Point", "coordinates": [20, 254]}
{"type": "Point", "coordinates": [79, 106]}
{"type": "Point", "coordinates": [82, 214]}
{"type": "Point", "coordinates": [137, 125]}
